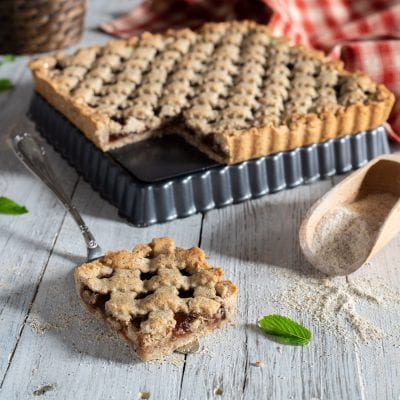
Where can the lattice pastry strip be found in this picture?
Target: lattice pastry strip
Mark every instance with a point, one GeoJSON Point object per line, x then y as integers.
{"type": "Point", "coordinates": [231, 89]}
{"type": "Point", "coordinates": [158, 297]}
{"type": "Point", "coordinates": [276, 84]}
{"type": "Point", "coordinates": [302, 93]}
{"type": "Point", "coordinates": [216, 81]}
{"type": "Point", "coordinates": [179, 88]}
{"type": "Point", "coordinates": [245, 92]}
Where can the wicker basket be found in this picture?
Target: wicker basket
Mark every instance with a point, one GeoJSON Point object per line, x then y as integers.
{"type": "Point", "coordinates": [31, 26]}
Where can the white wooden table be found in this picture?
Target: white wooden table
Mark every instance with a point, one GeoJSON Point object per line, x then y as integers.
{"type": "Point", "coordinates": [50, 347]}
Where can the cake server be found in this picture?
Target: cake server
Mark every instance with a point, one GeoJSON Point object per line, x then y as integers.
{"type": "Point", "coordinates": [33, 155]}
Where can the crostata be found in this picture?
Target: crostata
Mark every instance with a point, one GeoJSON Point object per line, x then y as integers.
{"type": "Point", "coordinates": [157, 297]}
{"type": "Point", "coordinates": [231, 89]}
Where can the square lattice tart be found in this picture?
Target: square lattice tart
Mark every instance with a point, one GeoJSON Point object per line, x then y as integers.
{"type": "Point", "coordinates": [231, 89]}
{"type": "Point", "coordinates": [157, 297]}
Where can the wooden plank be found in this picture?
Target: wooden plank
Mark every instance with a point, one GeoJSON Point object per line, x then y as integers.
{"type": "Point", "coordinates": [25, 241]}
{"type": "Point", "coordinates": [66, 348]}
{"type": "Point", "coordinates": [378, 361]}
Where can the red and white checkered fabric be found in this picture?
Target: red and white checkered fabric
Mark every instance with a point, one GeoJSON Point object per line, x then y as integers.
{"type": "Point", "coordinates": [365, 34]}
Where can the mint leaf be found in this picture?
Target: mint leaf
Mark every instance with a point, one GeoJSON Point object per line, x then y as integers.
{"type": "Point", "coordinates": [7, 206]}
{"type": "Point", "coordinates": [7, 58]}
{"type": "Point", "coordinates": [284, 330]}
{"type": "Point", "coordinates": [5, 84]}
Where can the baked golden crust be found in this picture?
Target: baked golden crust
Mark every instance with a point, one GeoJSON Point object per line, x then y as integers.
{"type": "Point", "coordinates": [231, 89]}
{"type": "Point", "coordinates": [157, 297]}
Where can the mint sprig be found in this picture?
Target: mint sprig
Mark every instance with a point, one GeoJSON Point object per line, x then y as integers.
{"type": "Point", "coordinates": [7, 58]}
{"type": "Point", "coordinates": [8, 206]}
{"type": "Point", "coordinates": [284, 330]}
{"type": "Point", "coordinates": [5, 84]}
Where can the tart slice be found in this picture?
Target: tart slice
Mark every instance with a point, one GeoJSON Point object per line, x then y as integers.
{"type": "Point", "coordinates": [157, 297]}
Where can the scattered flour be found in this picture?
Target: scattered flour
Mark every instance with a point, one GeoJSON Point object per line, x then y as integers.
{"type": "Point", "coordinates": [345, 235]}
{"type": "Point", "coordinates": [38, 326]}
{"type": "Point", "coordinates": [336, 304]}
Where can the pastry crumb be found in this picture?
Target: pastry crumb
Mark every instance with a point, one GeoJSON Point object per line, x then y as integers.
{"type": "Point", "coordinates": [258, 364]}
{"type": "Point", "coordinates": [144, 395]}
{"type": "Point", "coordinates": [218, 391]}
{"type": "Point", "coordinates": [41, 390]}
{"type": "Point", "coordinates": [176, 361]}
{"type": "Point", "coordinates": [325, 282]}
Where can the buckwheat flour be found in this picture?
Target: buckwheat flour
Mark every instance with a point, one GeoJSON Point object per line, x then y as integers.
{"type": "Point", "coordinates": [339, 304]}
{"type": "Point", "coordinates": [346, 234]}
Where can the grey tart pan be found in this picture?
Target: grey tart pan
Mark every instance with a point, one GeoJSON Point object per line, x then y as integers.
{"type": "Point", "coordinates": [146, 203]}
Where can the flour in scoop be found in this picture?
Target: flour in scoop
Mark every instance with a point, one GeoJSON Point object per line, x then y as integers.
{"type": "Point", "coordinates": [346, 234]}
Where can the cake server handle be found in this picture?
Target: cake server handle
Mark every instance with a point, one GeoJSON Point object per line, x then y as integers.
{"type": "Point", "coordinates": [33, 155]}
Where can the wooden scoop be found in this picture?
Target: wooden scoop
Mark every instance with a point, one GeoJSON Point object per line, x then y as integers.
{"type": "Point", "coordinates": [381, 175]}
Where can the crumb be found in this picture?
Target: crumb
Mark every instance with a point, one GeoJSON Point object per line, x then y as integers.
{"type": "Point", "coordinates": [258, 364]}
{"type": "Point", "coordinates": [144, 395]}
{"type": "Point", "coordinates": [40, 391]}
{"type": "Point", "coordinates": [192, 347]}
{"type": "Point", "coordinates": [176, 361]}
{"type": "Point", "coordinates": [218, 391]}
{"type": "Point", "coordinates": [325, 282]}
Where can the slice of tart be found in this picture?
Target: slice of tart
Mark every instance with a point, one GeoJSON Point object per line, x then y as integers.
{"type": "Point", "coordinates": [157, 297]}
{"type": "Point", "coordinates": [231, 89]}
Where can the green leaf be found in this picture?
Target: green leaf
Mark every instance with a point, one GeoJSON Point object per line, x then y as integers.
{"type": "Point", "coordinates": [7, 58]}
{"type": "Point", "coordinates": [7, 206]}
{"type": "Point", "coordinates": [284, 330]}
{"type": "Point", "coordinates": [5, 84]}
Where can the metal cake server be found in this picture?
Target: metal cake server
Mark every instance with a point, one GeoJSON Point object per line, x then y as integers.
{"type": "Point", "coordinates": [33, 155]}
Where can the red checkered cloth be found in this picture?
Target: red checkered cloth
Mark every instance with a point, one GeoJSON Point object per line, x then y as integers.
{"type": "Point", "coordinates": [365, 34]}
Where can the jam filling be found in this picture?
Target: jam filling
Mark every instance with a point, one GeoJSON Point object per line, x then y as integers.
{"type": "Point", "coordinates": [185, 272]}
{"type": "Point", "coordinates": [116, 136]}
{"type": "Point", "coordinates": [185, 294]}
{"type": "Point", "coordinates": [94, 300]}
{"type": "Point", "coordinates": [136, 321]}
{"type": "Point", "coordinates": [145, 276]}
{"type": "Point", "coordinates": [208, 140]}
{"type": "Point", "coordinates": [143, 295]}
{"type": "Point", "coordinates": [184, 321]}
